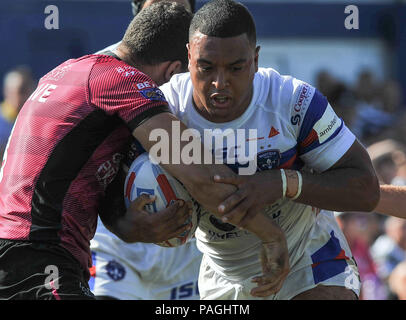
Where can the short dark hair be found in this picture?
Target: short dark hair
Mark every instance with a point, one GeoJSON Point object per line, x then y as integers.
{"type": "Point", "coordinates": [223, 19]}
{"type": "Point", "coordinates": [159, 33]}
{"type": "Point", "coordinates": [137, 5]}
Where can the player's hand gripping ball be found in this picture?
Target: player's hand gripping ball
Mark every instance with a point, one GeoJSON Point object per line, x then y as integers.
{"type": "Point", "coordinates": [144, 177]}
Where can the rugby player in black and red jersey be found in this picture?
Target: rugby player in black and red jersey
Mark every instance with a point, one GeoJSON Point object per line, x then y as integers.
{"type": "Point", "coordinates": [66, 148]}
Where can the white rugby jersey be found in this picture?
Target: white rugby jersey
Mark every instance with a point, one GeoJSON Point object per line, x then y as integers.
{"type": "Point", "coordinates": [296, 127]}
{"type": "Point", "coordinates": [143, 271]}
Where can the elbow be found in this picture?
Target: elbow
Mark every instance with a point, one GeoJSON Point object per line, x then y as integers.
{"type": "Point", "coordinates": [370, 193]}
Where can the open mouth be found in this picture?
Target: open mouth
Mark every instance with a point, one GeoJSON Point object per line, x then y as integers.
{"type": "Point", "coordinates": [220, 101]}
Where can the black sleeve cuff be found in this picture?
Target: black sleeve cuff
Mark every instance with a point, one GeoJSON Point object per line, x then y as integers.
{"type": "Point", "coordinates": [144, 116]}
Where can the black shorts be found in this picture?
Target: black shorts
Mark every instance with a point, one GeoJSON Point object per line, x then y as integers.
{"type": "Point", "coordinates": [40, 271]}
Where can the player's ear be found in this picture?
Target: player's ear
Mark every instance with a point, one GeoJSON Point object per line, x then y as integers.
{"type": "Point", "coordinates": [173, 67]}
{"type": "Point", "coordinates": [256, 58]}
{"type": "Point", "coordinates": [188, 54]}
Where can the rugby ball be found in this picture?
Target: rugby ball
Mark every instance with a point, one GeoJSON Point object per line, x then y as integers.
{"type": "Point", "coordinates": [145, 177]}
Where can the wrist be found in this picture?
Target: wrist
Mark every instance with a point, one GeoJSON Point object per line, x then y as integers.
{"type": "Point", "coordinates": [123, 229]}
{"type": "Point", "coordinates": [265, 228]}
{"type": "Point", "coordinates": [294, 183]}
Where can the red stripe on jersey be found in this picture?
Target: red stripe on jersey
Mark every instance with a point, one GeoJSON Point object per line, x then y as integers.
{"type": "Point", "coordinates": [289, 163]}
{"type": "Point", "coordinates": [340, 256]}
{"type": "Point", "coordinates": [92, 271]}
{"type": "Point", "coordinates": [313, 136]}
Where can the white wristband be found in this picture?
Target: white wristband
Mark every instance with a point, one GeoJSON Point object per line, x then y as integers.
{"type": "Point", "coordinates": [284, 183]}
{"type": "Point", "coordinates": [299, 186]}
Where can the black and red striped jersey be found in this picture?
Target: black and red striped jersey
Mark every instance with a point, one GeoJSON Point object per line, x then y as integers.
{"type": "Point", "coordinates": [66, 147]}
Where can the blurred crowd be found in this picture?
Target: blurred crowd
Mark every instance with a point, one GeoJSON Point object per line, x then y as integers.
{"type": "Point", "coordinates": [375, 113]}
{"type": "Point", "coordinates": [373, 110]}
{"type": "Point", "coordinates": [18, 84]}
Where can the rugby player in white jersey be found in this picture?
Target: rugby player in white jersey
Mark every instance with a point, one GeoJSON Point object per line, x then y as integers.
{"type": "Point", "coordinates": [142, 271]}
{"type": "Point", "coordinates": [296, 129]}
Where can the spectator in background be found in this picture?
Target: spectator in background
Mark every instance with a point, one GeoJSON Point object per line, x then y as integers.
{"type": "Point", "coordinates": [17, 87]}
{"type": "Point", "coordinates": [340, 96]}
{"type": "Point", "coordinates": [391, 97]}
{"type": "Point", "coordinates": [360, 230]}
{"type": "Point", "coordinates": [371, 118]}
{"type": "Point", "coordinates": [389, 160]}
{"type": "Point", "coordinates": [390, 249]}
{"type": "Point", "coordinates": [397, 281]}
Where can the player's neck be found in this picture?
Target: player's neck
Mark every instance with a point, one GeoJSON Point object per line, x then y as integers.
{"type": "Point", "coordinates": [123, 53]}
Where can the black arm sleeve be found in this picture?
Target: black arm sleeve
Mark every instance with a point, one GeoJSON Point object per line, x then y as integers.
{"type": "Point", "coordinates": [112, 205]}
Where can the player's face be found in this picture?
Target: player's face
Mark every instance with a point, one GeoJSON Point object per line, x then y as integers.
{"type": "Point", "coordinates": [222, 72]}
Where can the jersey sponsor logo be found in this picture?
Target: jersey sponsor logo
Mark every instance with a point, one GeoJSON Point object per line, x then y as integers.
{"type": "Point", "coordinates": [303, 97]}
{"type": "Point", "coordinates": [149, 91]}
{"type": "Point", "coordinates": [115, 270]}
{"type": "Point", "coordinates": [153, 94]}
{"type": "Point", "coordinates": [108, 170]}
{"type": "Point", "coordinates": [144, 85]}
{"type": "Point", "coordinates": [127, 71]}
{"type": "Point", "coordinates": [185, 291]}
{"type": "Point", "coordinates": [327, 124]}
{"type": "Point", "coordinates": [268, 159]}
{"type": "Point", "coordinates": [57, 73]}
{"type": "Point", "coordinates": [295, 120]}
{"type": "Point", "coordinates": [302, 100]}
{"type": "Point", "coordinates": [226, 235]}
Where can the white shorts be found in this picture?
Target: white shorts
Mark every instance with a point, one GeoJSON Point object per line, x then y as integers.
{"type": "Point", "coordinates": [324, 259]}
{"type": "Point", "coordinates": [154, 272]}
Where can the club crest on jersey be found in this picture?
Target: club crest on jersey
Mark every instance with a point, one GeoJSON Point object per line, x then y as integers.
{"type": "Point", "coordinates": [115, 270]}
{"type": "Point", "coordinates": [268, 159]}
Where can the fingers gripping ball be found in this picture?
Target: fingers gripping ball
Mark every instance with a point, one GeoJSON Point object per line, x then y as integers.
{"type": "Point", "coordinates": [144, 177]}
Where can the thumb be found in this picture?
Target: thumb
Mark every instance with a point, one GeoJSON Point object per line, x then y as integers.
{"type": "Point", "coordinates": [140, 202]}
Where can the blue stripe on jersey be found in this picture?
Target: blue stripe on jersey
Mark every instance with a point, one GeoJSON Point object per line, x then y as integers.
{"type": "Point", "coordinates": [288, 155]}
{"type": "Point", "coordinates": [328, 261]}
{"type": "Point", "coordinates": [328, 269]}
{"type": "Point", "coordinates": [316, 143]}
{"type": "Point", "coordinates": [314, 112]}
